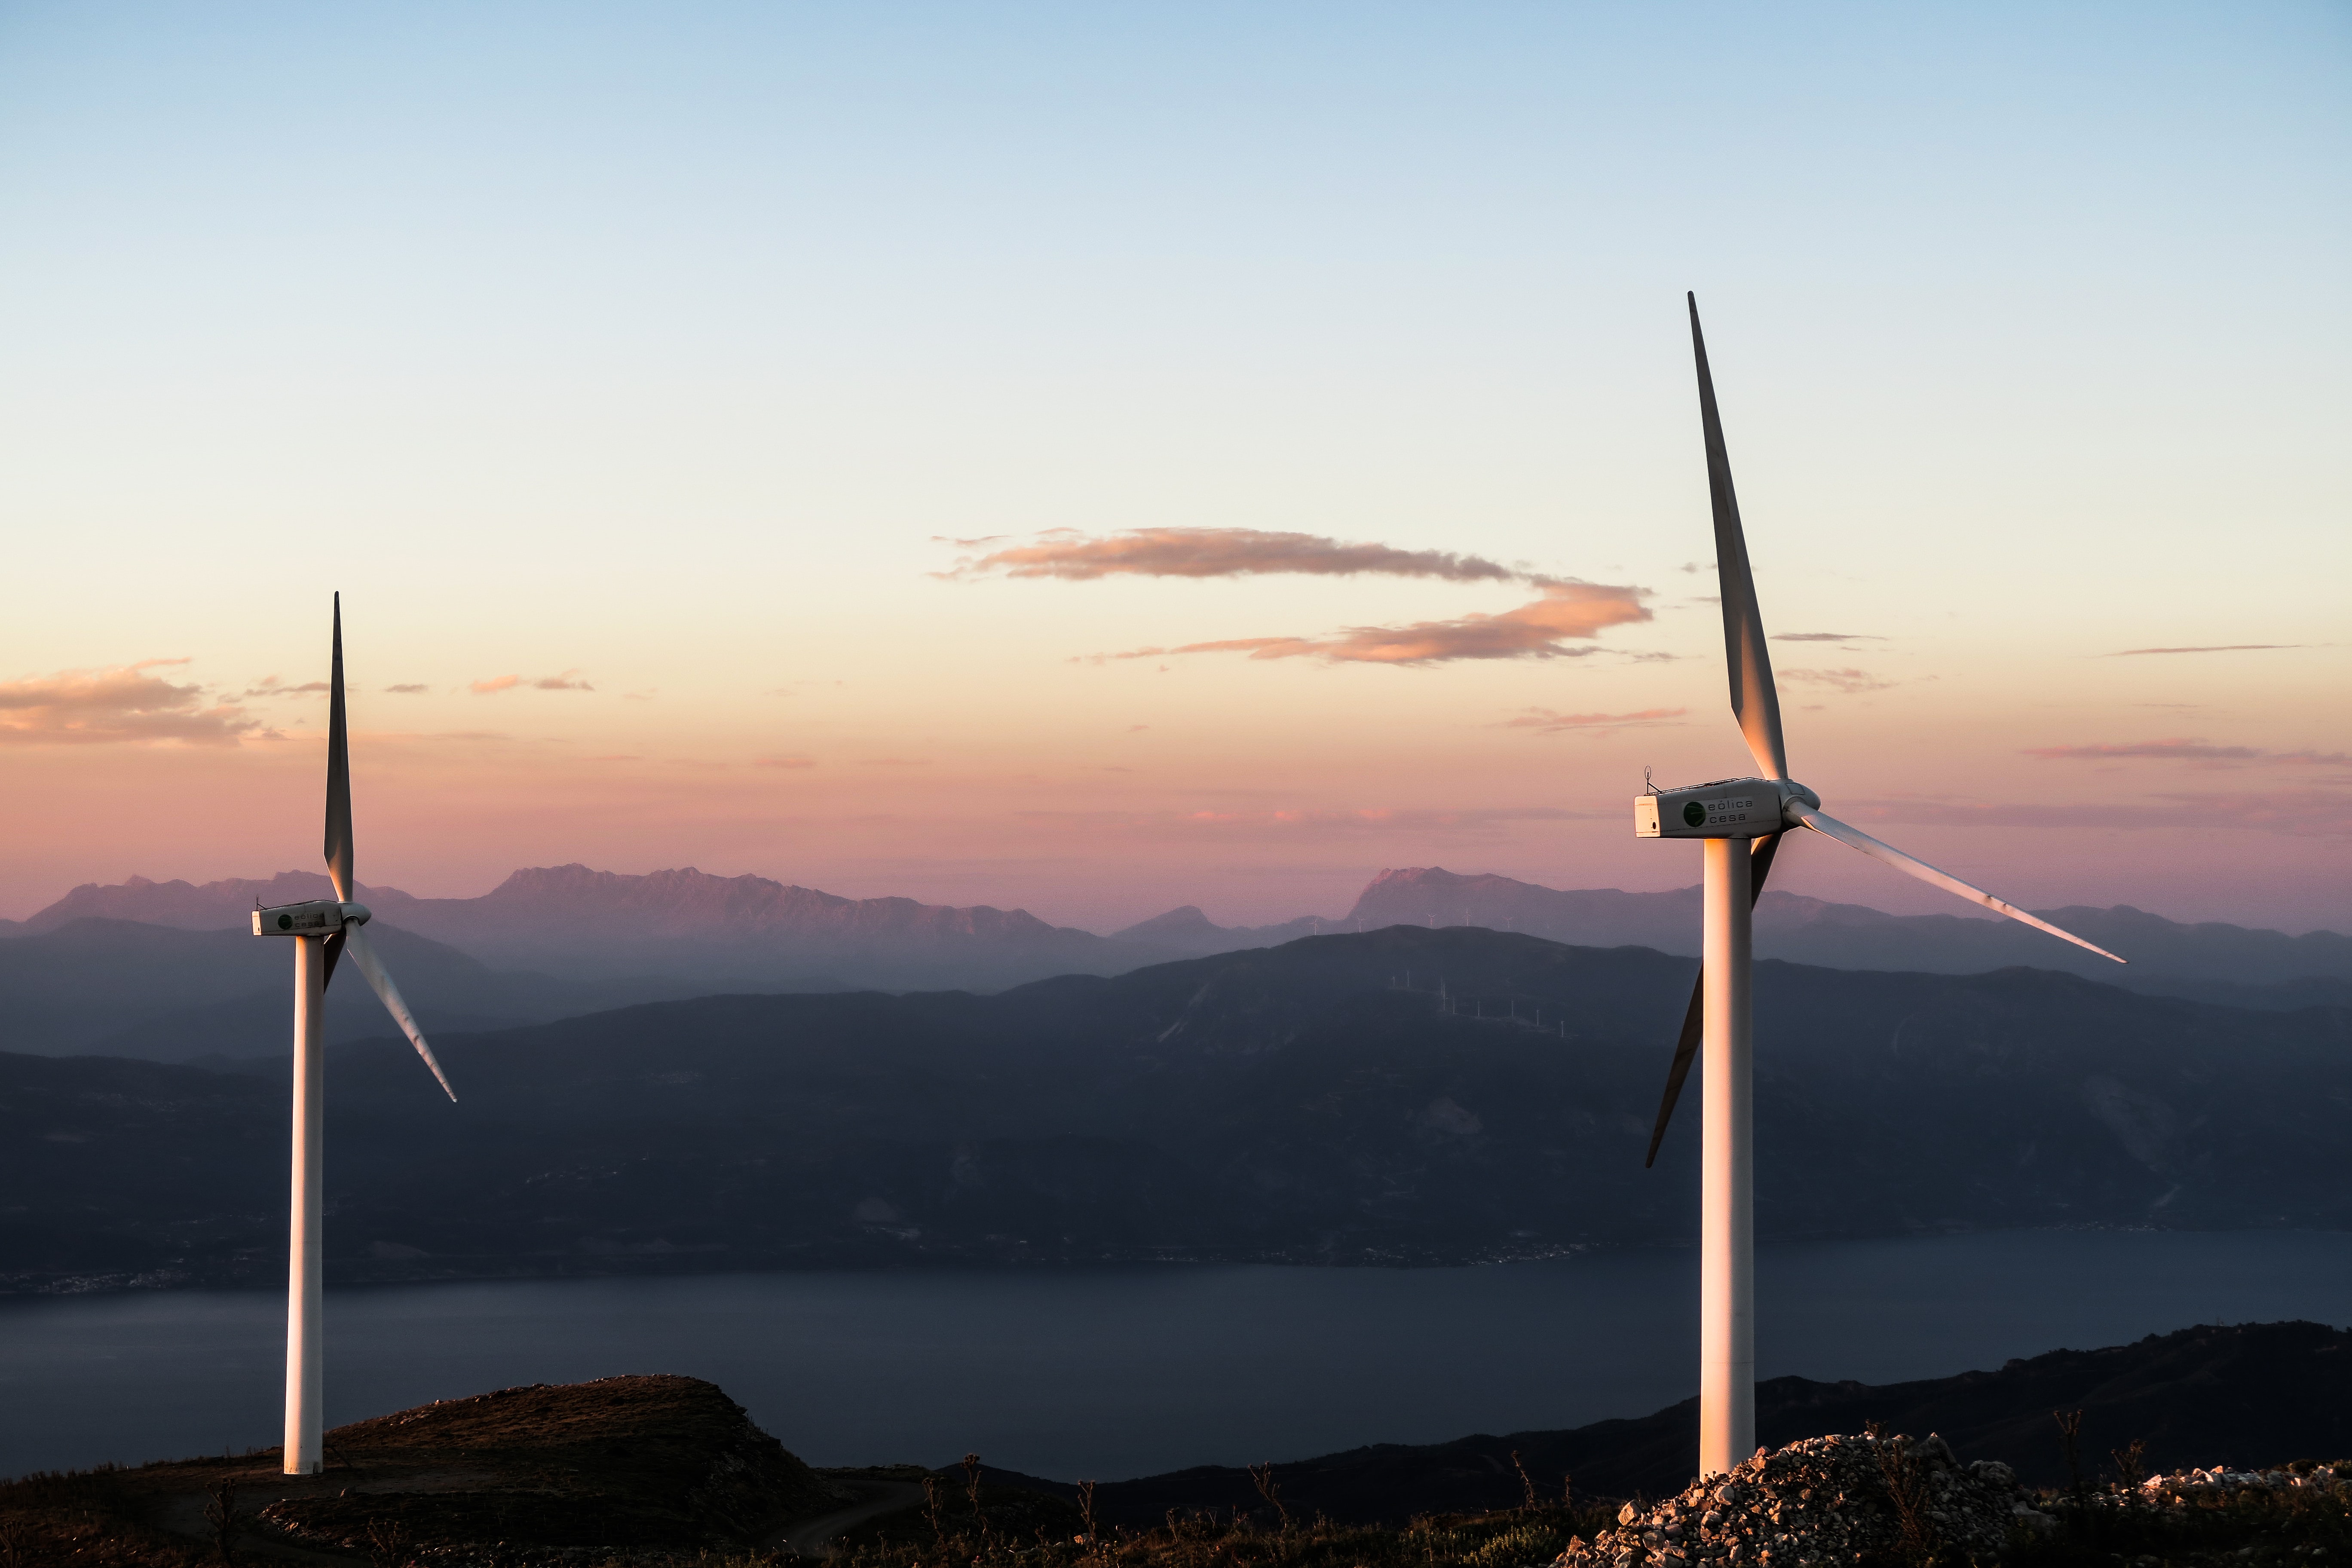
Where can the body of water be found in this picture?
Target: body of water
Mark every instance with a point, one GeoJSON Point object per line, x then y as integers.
{"type": "Point", "coordinates": [1110, 1373]}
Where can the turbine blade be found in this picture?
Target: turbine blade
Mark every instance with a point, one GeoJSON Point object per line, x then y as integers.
{"type": "Point", "coordinates": [1760, 864]}
{"type": "Point", "coordinates": [1910, 866]}
{"type": "Point", "coordinates": [372, 967]}
{"type": "Point", "coordinates": [334, 950]}
{"type": "Point", "coordinates": [1754, 700]}
{"type": "Point", "coordinates": [338, 773]}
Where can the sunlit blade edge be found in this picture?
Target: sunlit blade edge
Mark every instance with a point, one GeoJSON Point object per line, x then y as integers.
{"type": "Point", "coordinates": [372, 967]}
{"type": "Point", "coordinates": [338, 773]}
{"type": "Point", "coordinates": [1755, 696]}
{"type": "Point", "coordinates": [1854, 838]}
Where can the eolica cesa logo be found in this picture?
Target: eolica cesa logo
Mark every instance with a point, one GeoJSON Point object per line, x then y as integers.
{"type": "Point", "coordinates": [1694, 813]}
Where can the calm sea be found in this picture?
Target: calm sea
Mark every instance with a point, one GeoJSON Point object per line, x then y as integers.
{"type": "Point", "coordinates": [1110, 1373]}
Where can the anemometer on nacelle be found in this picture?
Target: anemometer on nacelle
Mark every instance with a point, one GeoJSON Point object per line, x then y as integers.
{"type": "Point", "coordinates": [1727, 808]}
{"type": "Point", "coordinates": [318, 917]}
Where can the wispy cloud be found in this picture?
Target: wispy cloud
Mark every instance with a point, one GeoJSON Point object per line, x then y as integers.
{"type": "Point", "coordinates": [122, 703]}
{"type": "Point", "coordinates": [498, 683]}
{"type": "Point", "coordinates": [1318, 823]}
{"type": "Point", "coordinates": [270, 686]}
{"type": "Point", "coordinates": [1220, 552]}
{"type": "Point", "coordinates": [1545, 722]}
{"type": "Point", "coordinates": [1567, 612]}
{"type": "Point", "coordinates": [2301, 813]}
{"type": "Point", "coordinates": [1826, 637]}
{"type": "Point", "coordinates": [1849, 681]}
{"type": "Point", "coordinates": [894, 761]}
{"type": "Point", "coordinates": [2186, 749]}
{"type": "Point", "coordinates": [2222, 647]}
{"type": "Point", "coordinates": [409, 689]}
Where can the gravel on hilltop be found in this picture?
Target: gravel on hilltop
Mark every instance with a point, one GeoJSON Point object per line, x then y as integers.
{"type": "Point", "coordinates": [1833, 1500]}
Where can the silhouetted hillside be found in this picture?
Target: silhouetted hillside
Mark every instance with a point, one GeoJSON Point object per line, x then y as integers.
{"type": "Point", "coordinates": [1297, 1103]}
{"type": "Point", "coordinates": [2252, 1394]}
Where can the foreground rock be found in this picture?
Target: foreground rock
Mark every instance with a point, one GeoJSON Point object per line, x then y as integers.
{"type": "Point", "coordinates": [1826, 1500]}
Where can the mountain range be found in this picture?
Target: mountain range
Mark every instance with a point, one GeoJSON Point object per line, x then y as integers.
{"type": "Point", "coordinates": [2208, 960]}
{"type": "Point", "coordinates": [164, 970]}
{"type": "Point", "coordinates": [1394, 1096]}
{"type": "Point", "coordinates": [573, 922]}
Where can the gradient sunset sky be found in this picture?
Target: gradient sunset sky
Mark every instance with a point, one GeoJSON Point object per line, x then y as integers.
{"type": "Point", "coordinates": [820, 441]}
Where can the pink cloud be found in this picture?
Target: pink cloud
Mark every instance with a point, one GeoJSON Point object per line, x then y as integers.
{"type": "Point", "coordinates": [1549, 722]}
{"type": "Point", "coordinates": [1315, 823]}
{"type": "Point", "coordinates": [1568, 611]}
{"type": "Point", "coordinates": [122, 704]}
{"type": "Point", "coordinates": [496, 683]}
{"type": "Point", "coordinates": [2221, 647]}
{"type": "Point", "coordinates": [2184, 749]}
{"type": "Point", "coordinates": [1221, 552]}
{"type": "Point", "coordinates": [408, 689]}
{"type": "Point", "coordinates": [2303, 813]}
{"type": "Point", "coordinates": [1847, 681]}
{"type": "Point", "coordinates": [270, 686]}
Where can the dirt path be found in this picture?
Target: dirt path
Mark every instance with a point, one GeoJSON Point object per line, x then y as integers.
{"type": "Point", "coordinates": [814, 1537]}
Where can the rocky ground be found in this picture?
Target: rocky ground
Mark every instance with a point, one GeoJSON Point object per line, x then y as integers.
{"type": "Point", "coordinates": [661, 1472]}
{"type": "Point", "coordinates": [1826, 1500]}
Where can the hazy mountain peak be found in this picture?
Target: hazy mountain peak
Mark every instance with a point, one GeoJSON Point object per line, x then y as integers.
{"type": "Point", "coordinates": [1182, 923]}
{"type": "Point", "coordinates": [191, 906]}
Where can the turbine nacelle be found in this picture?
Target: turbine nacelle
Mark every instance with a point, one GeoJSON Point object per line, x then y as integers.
{"type": "Point", "coordinates": [1727, 808]}
{"type": "Point", "coordinates": [317, 917]}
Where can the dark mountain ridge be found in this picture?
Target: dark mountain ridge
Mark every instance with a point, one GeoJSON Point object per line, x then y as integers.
{"type": "Point", "coordinates": [1398, 1096]}
{"type": "Point", "coordinates": [2252, 1393]}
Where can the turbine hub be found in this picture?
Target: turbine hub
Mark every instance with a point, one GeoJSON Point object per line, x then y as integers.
{"type": "Point", "coordinates": [1792, 793]}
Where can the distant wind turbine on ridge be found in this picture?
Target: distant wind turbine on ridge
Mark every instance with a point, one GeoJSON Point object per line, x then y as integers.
{"type": "Point", "coordinates": [1741, 821]}
{"type": "Point", "coordinates": [323, 931]}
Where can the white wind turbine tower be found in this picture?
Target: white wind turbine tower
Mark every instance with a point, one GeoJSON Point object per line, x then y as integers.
{"type": "Point", "coordinates": [322, 929]}
{"type": "Point", "coordinates": [1741, 821]}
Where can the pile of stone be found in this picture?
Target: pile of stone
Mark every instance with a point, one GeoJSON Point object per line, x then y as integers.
{"type": "Point", "coordinates": [1825, 1501]}
{"type": "Point", "coordinates": [2207, 1488]}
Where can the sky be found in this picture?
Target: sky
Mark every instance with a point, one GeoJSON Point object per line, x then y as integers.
{"type": "Point", "coordinates": [1097, 459]}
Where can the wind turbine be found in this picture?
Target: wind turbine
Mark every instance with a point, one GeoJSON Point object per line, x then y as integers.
{"type": "Point", "coordinates": [323, 931]}
{"type": "Point", "coordinates": [1741, 821]}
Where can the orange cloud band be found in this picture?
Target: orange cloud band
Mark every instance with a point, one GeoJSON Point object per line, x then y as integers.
{"type": "Point", "coordinates": [1568, 612]}
{"type": "Point", "coordinates": [116, 704]}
